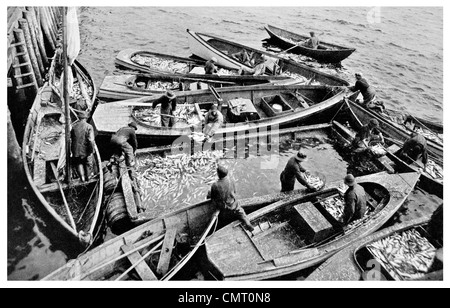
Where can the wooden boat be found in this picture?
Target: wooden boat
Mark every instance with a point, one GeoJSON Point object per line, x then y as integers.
{"type": "Point", "coordinates": [293, 235]}
{"type": "Point", "coordinates": [120, 87]}
{"type": "Point", "coordinates": [206, 46]}
{"type": "Point", "coordinates": [180, 67]}
{"type": "Point", "coordinates": [300, 104]}
{"type": "Point", "coordinates": [394, 138]}
{"type": "Point", "coordinates": [362, 260]}
{"type": "Point", "coordinates": [326, 52]}
{"type": "Point", "coordinates": [155, 250]}
{"type": "Point", "coordinates": [399, 131]}
{"type": "Point", "coordinates": [75, 206]}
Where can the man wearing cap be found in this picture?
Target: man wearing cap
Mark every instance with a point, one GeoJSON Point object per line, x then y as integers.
{"type": "Point", "coordinates": [223, 196]}
{"type": "Point", "coordinates": [210, 66]}
{"type": "Point", "coordinates": [82, 145]}
{"type": "Point", "coordinates": [368, 93]}
{"type": "Point", "coordinates": [168, 102]}
{"type": "Point", "coordinates": [213, 120]}
{"type": "Point", "coordinates": [125, 141]}
{"type": "Point", "coordinates": [413, 149]}
{"type": "Point", "coordinates": [366, 134]}
{"type": "Point", "coordinates": [355, 200]}
{"type": "Point", "coordinates": [292, 171]}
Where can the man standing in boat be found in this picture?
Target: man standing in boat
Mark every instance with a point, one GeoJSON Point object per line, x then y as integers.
{"type": "Point", "coordinates": [413, 149]}
{"type": "Point", "coordinates": [355, 200]}
{"type": "Point", "coordinates": [210, 66]}
{"type": "Point", "coordinates": [168, 103]}
{"type": "Point", "coordinates": [213, 121]}
{"type": "Point", "coordinates": [125, 141]}
{"type": "Point", "coordinates": [294, 171]}
{"type": "Point", "coordinates": [223, 196]}
{"type": "Point", "coordinates": [82, 145]}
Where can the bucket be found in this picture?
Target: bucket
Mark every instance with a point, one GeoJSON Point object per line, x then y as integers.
{"type": "Point", "coordinates": [277, 108]}
{"type": "Point", "coordinates": [116, 214]}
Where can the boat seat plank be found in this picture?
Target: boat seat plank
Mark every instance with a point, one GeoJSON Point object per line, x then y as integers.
{"type": "Point", "coordinates": [166, 251]}
{"type": "Point", "coordinates": [142, 268]}
{"type": "Point", "coordinates": [39, 172]}
{"type": "Point", "coordinates": [52, 187]}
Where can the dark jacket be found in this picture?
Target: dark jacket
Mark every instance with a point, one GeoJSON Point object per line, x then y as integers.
{"type": "Point", "coordinates": [366, 90]}
{"type": "Point", "coordinates": [82, 139]}
{"type": "Point", "coordinates": [355, 203]}
{"type": "Point", "coordinates": [294, 170]}
{"type": "Point", "coordinates": [223, 194]}
{"type": "Point", "coordinates": [210, 67]}
{"type": "Point", "coordinates": [167, 107]}
{"type": "Point", "coordinates": [125, 134]}
{"type": "Point", "coordinates": [409, 148]}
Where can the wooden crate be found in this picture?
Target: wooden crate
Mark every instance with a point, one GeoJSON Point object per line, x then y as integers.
{"type": "Point", "coordinates": [310, 223]}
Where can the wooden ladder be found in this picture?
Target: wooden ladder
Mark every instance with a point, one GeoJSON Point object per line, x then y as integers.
{"type": "Point", "coordinates": [18, 50]}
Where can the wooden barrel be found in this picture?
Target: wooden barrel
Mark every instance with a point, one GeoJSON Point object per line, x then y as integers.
{"type": "Point", "coordinates": [110, 183]}
{"type": "Point", "coordinates": [116, 214]}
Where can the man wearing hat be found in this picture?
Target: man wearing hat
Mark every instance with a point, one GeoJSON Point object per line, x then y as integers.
{"type": "Point", "coordinates": [355, 200]}
{"type": "Point", "coordinates": [213, 120]}
{"type": "Point", "coordinates": [368, 93]}
{"type": "Point", "coordinates": [292, 171]}
{"type": "Point", "coordinates": [82, 145]}
{"type": "Point", "coordinates": [223, 196]}
{"type": "Point", "coordinates": [168, 103]}
{"type": "Point", "coordinates": [125, 141]}
{"type": "Point", "coordinates": [366, 134]}
{"type": "Point", "coordinates": [413, 149]}
{"type": "Point", "coordinates": [210, 66]}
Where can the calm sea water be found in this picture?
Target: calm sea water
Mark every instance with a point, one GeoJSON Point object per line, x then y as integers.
{"type": "Point", "coordinates": [399, 51]}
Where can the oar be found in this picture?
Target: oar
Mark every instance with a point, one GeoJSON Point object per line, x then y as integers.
{"type": "Point", "coordinates": [55, 173]}
{"type": "Point", "coordinates": [286, 50]}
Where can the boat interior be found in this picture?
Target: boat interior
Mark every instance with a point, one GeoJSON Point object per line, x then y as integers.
{"type": "Point", "coordinates": [309, 223]}
{"type": "Point", "coordinates": [241, 107]}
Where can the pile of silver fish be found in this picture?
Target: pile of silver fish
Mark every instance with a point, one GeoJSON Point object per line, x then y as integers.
{"type": "Point", "coordinates": [175, 180]}
{"type": "Point", "coordinates": [161, 64]}
{"type": "Point", "coordinates": [183, 113]}
{"type": "Point", "coordinates": [315, 181]}
{"type": "Point", "coordinates": [163, 85]}
{"type": "Point", "coordinates": [335, 206]}
{"type": "Point", "coordinates": [377, 149]}
{"type": "Point", "coordinates": [430, 135]}
{"type": "Point", "coordinates": [407, 255]}
{"type": "Point", "coordinates": [434, 170]}
{"type": "Point", "coordinates": [76, 89]}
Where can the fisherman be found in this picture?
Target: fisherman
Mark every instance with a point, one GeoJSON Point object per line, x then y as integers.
{"type": "Point", "coordinates": [313, 41]}
{"type": "Point", "coordinates": [355, 200]}
{"type": "Point", "coordinates": [294, 170]}
{"type": "Point", "coordinates": [367, 134]}
{"type": "Point", "coordinates": [243, 57]}
{"type": "Point", "coordinates": [125, 141]}
{"type": "Point", "coordinates": [213, 120]}
{"type": "Point", "coordinates": [258, 70]}
{"type": "Point", "coordinates": [168, 102]}
{"type": "Point", "coordinates": [413, 149]}
{"type": "Point", "coordinates": [210, 66]}
{"type": "Point", "coordinates": [368, 93]}
{"type": "Point", "coordinates": [82, 145]}
{"type": "Point", "coordinates": [223, 196]}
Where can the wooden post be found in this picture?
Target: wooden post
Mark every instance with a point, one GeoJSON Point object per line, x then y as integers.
{"type": "Point", "coordinates": [52, 26]}
{"type": "Point", "coordinates": [15, 162]}
{"type": "Point", "coordinates": [20, 68]}
{"type": "Point", "coordinates": [46, 28]}
{"type": "Point", "coordinates": [26, 31]}
{"type": "Point", "coordinates": [39, 35]}
{"type": "Point", "coordinates": [34, 42]}
{"type": "Point", "coordinates": [66, 94]}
